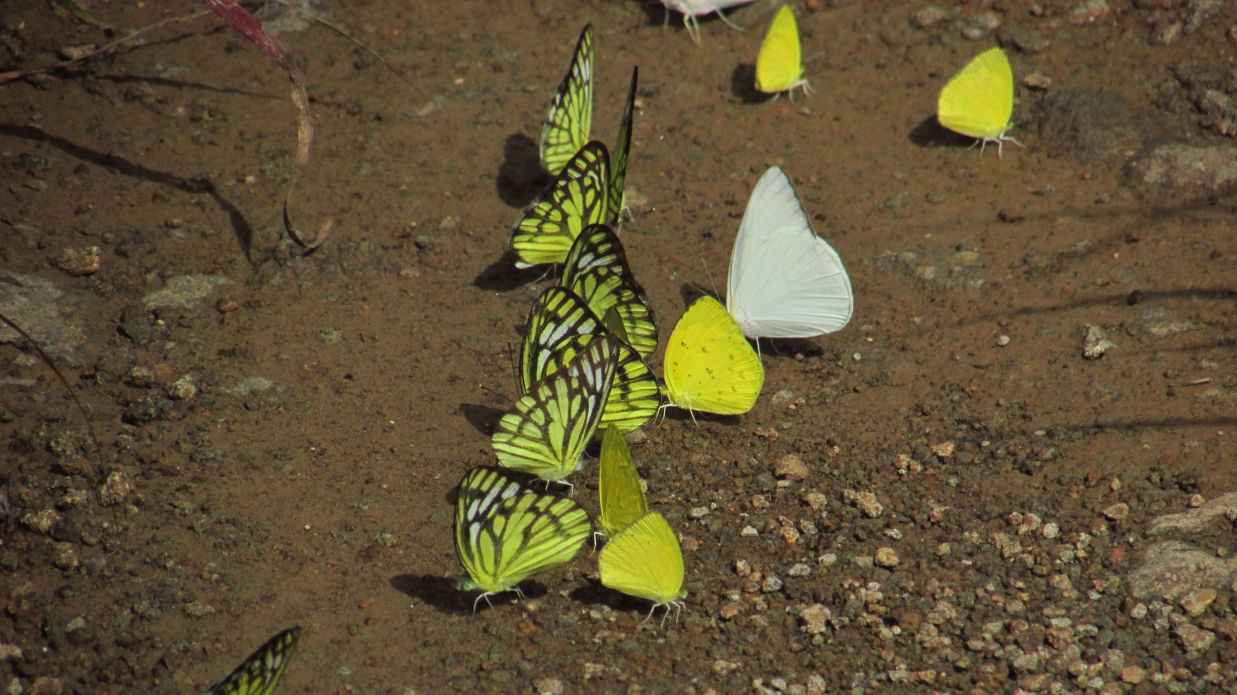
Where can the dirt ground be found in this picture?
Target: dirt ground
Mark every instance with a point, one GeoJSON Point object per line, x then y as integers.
{"type": "Point", "coordinates": [945, 496]}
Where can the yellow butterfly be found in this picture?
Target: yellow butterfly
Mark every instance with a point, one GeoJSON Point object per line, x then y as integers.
{"type": "Point", "coordinates": [709, 365]}
{"type": "Point", "coordinates": [570, 117]}
{"type": "Point", "coordinates": [979, 100]}
{"type": "Point", "coordinates": [646, 561]}
{"type": "Point", "coordinates": [618, 487]}
{"type": "Point", "coordinates": [779, 65]}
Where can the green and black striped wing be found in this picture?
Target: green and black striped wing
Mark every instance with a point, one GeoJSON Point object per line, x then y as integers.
{"type": "Point", "coordinates": [578, 197]}
{"type": "Point", "coordinates": [618, 162]}
{"type": "Point", "coordinates": [570, 117]}
{"type": "Point", "coordinates": [547, 431]}
{"type": "Point", "coordinates": [556, 315]}
{"type": "Point", "coordinates": [634, 395]}
{"type": "Point", "coordinates": [595, 259]}
{"type": "Point", "coordinates": [260, 673]}
{"type": "Point", "coordinates": [505, 531]}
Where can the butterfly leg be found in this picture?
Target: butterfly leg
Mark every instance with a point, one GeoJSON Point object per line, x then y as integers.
{"type": "Point", "coordinates": [693, 28]}
{"type": "Point", "coordinates": [727, 21]}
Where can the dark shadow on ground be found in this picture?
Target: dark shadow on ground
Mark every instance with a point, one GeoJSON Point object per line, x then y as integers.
{"type": "Point", "coordinates": [241, 228]}
{"type": "Point", "coordinates": [520, 177]}
{"type": "Point", "coordinates": [743, 85]}
{"type": "Point", "coordinates": [930, 133]}
{"type": "Point", "coordinates": [503, 276]}
{"type": "Point", "coordinates": [483, 418]}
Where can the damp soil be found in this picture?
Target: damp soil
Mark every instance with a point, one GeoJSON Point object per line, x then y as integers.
{"type": "Point", "coordinates": [945, 496]}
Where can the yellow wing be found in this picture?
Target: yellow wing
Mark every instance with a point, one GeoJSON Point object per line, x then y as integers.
{"type": "Point", "coordinates": [779, 65]}
{"type": "Point", "coordinates": [618, 488]}
{"type": "Point", "coordinates": [709, 365]}
{"type": "Point", "coordinates": [578, 196]}
{"type": "Point", "coordinates": [645, 561]}
{"type": "Point", "coordinates": [260, 673]}
{"type": "Point", "coordinates": [979, 100]}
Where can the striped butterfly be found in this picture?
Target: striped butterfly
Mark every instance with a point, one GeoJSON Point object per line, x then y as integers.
{"type": "Point", "coordinates": [578, 196]}
{"type": "Point", "coordinates": [555, 333]}
{"type": "Point", "coordinates": [598, 248]}
{"type": "Point", "coordinates": [646, 561]}
{"type": "Point", "coordinates": [618, 485]}
{"type": "Point", "coordinates": [260, 673]}
{"type": "Point", "coordinates": [506, 532]}
{"type": "Point", "coordinates": [618, 162]}
{"type": "Point", "coordinates": [709, 365]}
{"type": "Point", "coordinates": [552, 423]}
{"type": "Point", "coordinates": [570, 117]}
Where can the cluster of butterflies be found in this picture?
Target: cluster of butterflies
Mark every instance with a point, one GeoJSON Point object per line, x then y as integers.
{"type": "Point", "coordinates": [583, 362]}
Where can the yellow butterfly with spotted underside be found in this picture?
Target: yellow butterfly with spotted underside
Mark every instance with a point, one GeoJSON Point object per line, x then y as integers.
{"type": "Point", "coordinates": [261, 672]}
{"type": "Point", "coordinates": [505, 531]}
{"type": "Point", "coordinates": [547, 431]}
{"type": "Point", "coordinates": [598, 247]}
{"type": "Point", "coordinates": [779, 65]}
{"type": "Point", "coordinates": [578, 196]}
{"type": "Point", "coordinates": [979, 100]}
{"type": "Point", "coordinates": [645, 560]}
{"type": "Point", "coordinates": [570, 116]}
{"type": "Point", "coordinates": [709, 365]}
{"type": "Point", "coordinates": [619, 492]}
{"type": "Point", "coordinates": [557, 329]}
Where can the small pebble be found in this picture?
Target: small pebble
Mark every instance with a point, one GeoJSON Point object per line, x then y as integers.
{"type": "Point", "coordinates": [790, 466]}
{"type": "Point", "coordinates": [1118, 511]}
{"type": "Point", "coordinates": [886, 557]}
{"type": "Point", "coordinates": [1002, 340]}
{"type": "Point", "coordinates": [1133, 674]}
{"type": "Point", "coordinates": [1196, 602]}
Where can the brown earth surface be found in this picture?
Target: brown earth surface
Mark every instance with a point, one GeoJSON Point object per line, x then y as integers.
{"type": "Point", "coordinates": [945, 496]}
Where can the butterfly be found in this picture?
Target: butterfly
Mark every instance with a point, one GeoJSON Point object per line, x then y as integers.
{"type": "Point", "coordinates": [506, 532]}
{"type": "Point", "coordinates": [578, 196]}
{"type": "Point", "coordinates": [260, 673]}
{"type": "Point", "coordinates": [618, 162]}
{"type": "Point", "coordinates": [570, 117]}
{"type": "Point", "coordinates": [779, 65]}
{"type": "Point", "coordinates": [646, 561]}
{"type": "Point", "coordinates": [979, 100]}
{"type": "Point", "coordinates": [784, 281]}
{"type": "Point", "coordinates": [556, 331]}
{"type": "Point", "coordinates": [709, 365]}
{"type": "Point", "coordinates": [691, 9]}
{"type": "Point", "coordinates": [618, 487]}
{"type": "Point", "coordinates": [546, 432]}
{"type": "Point", "coordinates": [598, 249]}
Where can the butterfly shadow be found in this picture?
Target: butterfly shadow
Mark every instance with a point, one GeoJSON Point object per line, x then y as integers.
{"type": "Point", "coordinates": [743, 85]}
{"type": "Point", "coordinates": [780, 347]}
{"type": "Point", "coordinates": [439, 592]}
{"type": "Point", "coordinates": [483, 418]}
{"type": "Point", "coordinates": [503, 276]}
{"type": "Point", "coordinates": [930, 133]}
{"type": "Point", "coordinates": [520, 177]}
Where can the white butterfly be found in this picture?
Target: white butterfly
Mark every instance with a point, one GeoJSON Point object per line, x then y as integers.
{"type": "Point", "coordinates": [784, 281]}
{"type": "Point", "coordinates": [691, 9]}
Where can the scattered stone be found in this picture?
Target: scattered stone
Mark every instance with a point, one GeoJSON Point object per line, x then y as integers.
{"type": "Point", "coordinates": [115, 489]}
{"type": "Point", "coordinates": [815, 618]}
{"type": "Point", "coordinates": [10, 652]}
{"type": "Point", "coordinates": [1171, 569]}
{"type": "Point", "coordinates": [1117, 512]}
{"type": "Point", "coordinates": [78, 262]}
{"type": "Point", "coordinates": [1002, 340]}
{"type": "Point", "coordinates": [1207, 168]}
{"type": "Point", "coordinates": [183, 291]}
{"type": "Point", "coordinates": [48, 313]}
{"type": "Point", "coordinates": [1089, 12]}
{"type": "Point", "coordinates": [1091, 125]}
{"type": "Point", "coordinates": [1095, 342]}
{"type": "Point", "coordinates": [1194, 638]}
{"type": "Point", "coordinates": [1196, 602]}
{"type": "Point", "coordinates": [864, 501]}
{"type": "Point", "coordinates": [1161, 323]}
{"type": "Point", "coordinates": [41, 521]}
{"type": "Point", "coordinates": [943, 450]}
{"type": "Point", "coordinates": [1133, 674]}
{"type": "Point", "coordinates": [548, 686]}
{"type": "Point", "coordinates": [248, 386]}
{"type": "Point", "coordinates": [1196, 519]}
{"type": "Point", "coordinates": [790, 466]}
{"type": "Point", "coordinates": [981, 26]}
{"type": "Point", "coordinates": [928, 16]}
{"type": "Point", "coordinates": [183, 389]}
{"type": "Point", "coordinates": [886, 557]}
{"type": "Point", "coordinates": [816, 500]}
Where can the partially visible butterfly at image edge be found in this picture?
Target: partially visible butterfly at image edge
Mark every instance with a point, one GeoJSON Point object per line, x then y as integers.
{"type": "Point", "coordinates": [261, 672]}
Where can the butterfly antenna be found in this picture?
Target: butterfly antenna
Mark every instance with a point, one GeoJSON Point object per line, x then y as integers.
{"type": "Point", "coordinates": [709, 274]}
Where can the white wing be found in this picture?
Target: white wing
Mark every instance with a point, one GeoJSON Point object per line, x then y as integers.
{"type": "Point", "coordinates": [697, 8]}
{"type": "Point", "coordinates": [784, 281]}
